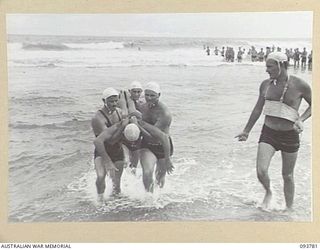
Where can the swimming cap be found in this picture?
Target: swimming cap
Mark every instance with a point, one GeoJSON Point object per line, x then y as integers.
{"type": "Point", "coordinates": [153, 86]}
{"type": "Point", "coordinates": [135, 85]}
{"type": "Point", "coordinates": [109, 92]}
{"type": "Point", "coordinates": [278, 56]}
{"type": "Point", "coordinates": [131, 132]}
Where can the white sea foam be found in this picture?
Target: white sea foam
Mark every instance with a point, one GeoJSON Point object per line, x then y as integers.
{"type": "Point", "coordinates": [152, 52]}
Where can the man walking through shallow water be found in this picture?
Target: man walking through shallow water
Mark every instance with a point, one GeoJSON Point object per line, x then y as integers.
{"type": "Point", "coordinates": [155, 151]}
{"type": "Point", "coordinates": [279, 99]}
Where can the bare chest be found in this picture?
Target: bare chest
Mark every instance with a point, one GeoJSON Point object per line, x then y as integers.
{"type": "Point", "coordinates": [291, 96]}
{"type": "Point", "coordinates": [110, 118]}
{"type": "Point", "coordinates": [151, 116]}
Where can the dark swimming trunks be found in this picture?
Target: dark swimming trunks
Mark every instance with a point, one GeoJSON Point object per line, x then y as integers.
{"type": "Point", "coordinates": [287, 141]}
{"type": "Point", "coordinates": [156, 148]}
{"type": "Point", "coordinates": [115, 151]}
{"type": "Point", "coordinates": [132, 146]}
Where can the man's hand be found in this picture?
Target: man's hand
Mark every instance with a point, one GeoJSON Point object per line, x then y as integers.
{"type": "Point", "coordinates": [134, 120]}
{"type": "Point", "coordinates": [136, 114]}
{"type": "Point", "coordinates": [169, 166]}
{"type": "Point", "coordinates": [109, 165]}
{"type": "Point", "coordinates": [243, 136]}
{"type": "Point", "coordinates": [125, 121]}
{"type": "Point", "coordinates": [141, 123]}
{"type": "Point", "coordinates": [298, 126]}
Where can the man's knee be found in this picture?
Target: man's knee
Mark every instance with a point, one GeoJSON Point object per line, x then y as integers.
{"type": "Point", "coordinates": [147, 159]}
{"type": "Point", "coordinates": [147, 171]}
{"type": "Point", "coordinates": [101, 185]}
{"type": "Point", "coordinates": [262, 173]}
{"type": "Point", "coordinates": [119, 165]}
{"type": "Point", "coordinates": [100, 178]}
{"type": "Point", "coordinates": [287, 177]}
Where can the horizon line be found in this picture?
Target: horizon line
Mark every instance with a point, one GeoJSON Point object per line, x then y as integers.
{"type": "Point", "coordinates": [150, 36]}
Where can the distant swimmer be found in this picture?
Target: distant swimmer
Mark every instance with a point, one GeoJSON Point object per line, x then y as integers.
{"type": "Point", "coordinates": [304, 55]}
{"type": "Point", "coordinates": [222, 52]}
{"type": "Point", "coordinates": [231, 54]}
{"type": "Point", "coordinates": [261, 55]}
{"type": "Point", "coordinates": [268, 51]}
{"type": "Point", "coordinates": [288, 56]}
{"type": "Point", "coordinates": [155, 152]}
{"type": "Point", "coordinates": [208, 51]}
{"type": "Point", "coordinates": [254, 54]}
{"type": "Point", "coordinates": [216, 51]}
{"type": "Point", "coordinates": [310, 61]}
{"type": "Point", "coordinates": [296, 57]}
{"type": "Point", "coordinates": [108, 154]}
{"type": "Point", "coordinates": [239, 55]}
{"type": "Point", "coordinates": [279, 99]}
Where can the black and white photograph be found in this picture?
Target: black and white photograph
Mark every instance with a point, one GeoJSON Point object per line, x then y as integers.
{"type": "Point", "coordinates": [179, 117]}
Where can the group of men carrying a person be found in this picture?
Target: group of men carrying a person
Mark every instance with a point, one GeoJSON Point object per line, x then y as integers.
{"type": "Point", "coordinates": [143, 128]}
{"type": "Point", "coordinates": [125, 125]}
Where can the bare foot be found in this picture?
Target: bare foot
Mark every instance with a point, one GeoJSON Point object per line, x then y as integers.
{"type": "Point", "coordinates": [100, 199]}
{"type": "Point", "coordinates": [133, 169]}
{"type": "Point", "coordinates": [160, 177]}
{"type": "Point", "coordinates": [151, 188]}
{"type": "Point", "coordinates": [288, 209]}
{"type": "Point", "coordinates": [266, 200]}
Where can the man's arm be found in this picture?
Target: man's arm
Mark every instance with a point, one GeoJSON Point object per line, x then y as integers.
{"type": "Point", "coordinates": [118, 129]}
{"type": "Point", "coordinates": [255, 114]}
{"type": "Point", "coordinates": [159, 135]}
{"type": "Point", "coordinates": [156, 132]}
{"type": "Point", "coordinates": [99, 142]}
{"type": "Point", "coordinates": [306, 95]}
{"type": "Point", "coordinates": [164, 120]}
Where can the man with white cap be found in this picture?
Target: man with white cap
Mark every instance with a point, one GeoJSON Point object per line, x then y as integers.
{"type": "Point", "coordinates": [135, 91]}
{"type": "Point", "coordinates": [279, 99]}
{"type": "Point", "coordinates": [155, 151]}
{"type": "Point", "coordinates": [108, 155]}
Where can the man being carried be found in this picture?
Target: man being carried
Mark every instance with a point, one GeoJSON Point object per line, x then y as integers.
{"type": "Point", "coordinates": [133, 104]}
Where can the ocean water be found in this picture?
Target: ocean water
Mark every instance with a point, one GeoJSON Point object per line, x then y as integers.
{"type": "Point", "coordinates": [55, 85]}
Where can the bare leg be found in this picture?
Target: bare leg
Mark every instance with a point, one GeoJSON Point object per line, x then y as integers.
{"type": "Point", "coordinates": [123, 104]}
{"type": "Point", "coordinates": [265, 153]}
{"type": "Point", "coordinates": [160, 172]}
{"type": "Point", "coordinates": [126, 153]}
{"type": "Point", "coordinates": [134, 159]}
{"type": "Point", "coordinates": [288, 163]}
{"type": "Point", "coordinates": [116, 177]}
{"type": "Point", "coordinates": [148, 161]}
{"type": "Point", "coordinates": [101, 175]}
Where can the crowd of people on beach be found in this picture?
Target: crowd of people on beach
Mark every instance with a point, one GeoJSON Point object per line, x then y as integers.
{"type": "Point", "coordinates": [133, 125]}
{"type": "Point", "coordinates": [298, 57]}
